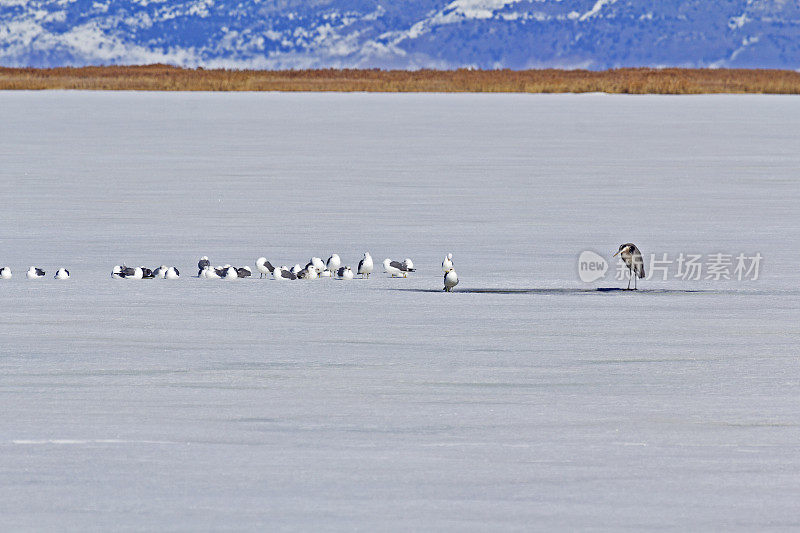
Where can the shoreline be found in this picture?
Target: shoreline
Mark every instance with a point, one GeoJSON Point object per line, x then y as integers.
{"type": "Point", "coordinates": [675, 81]}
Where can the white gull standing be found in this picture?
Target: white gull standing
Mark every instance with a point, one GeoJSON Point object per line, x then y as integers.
{"type": "Point", "coordinates": [334, 262]}
{"type": "Point", "coordinates": [447, 264]}
{"type": "Point", "coordinates": [450, 280]}
{"type": "Point", "coordinates": [365, 266]}
{"type": "Point", "coordinates": [318, 264]}
{"type": "Point", "coordinates": [264, 266]}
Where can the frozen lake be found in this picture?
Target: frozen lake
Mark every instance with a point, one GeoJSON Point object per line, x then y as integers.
{"type": "Point", "coordinates": [383, 404]}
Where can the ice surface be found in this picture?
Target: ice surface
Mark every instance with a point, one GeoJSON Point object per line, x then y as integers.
{"type": "Point", "coordinates": [384, 404]}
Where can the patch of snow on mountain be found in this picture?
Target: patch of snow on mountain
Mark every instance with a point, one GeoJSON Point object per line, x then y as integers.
{"type": "Point", "coordinates": [596, 8]}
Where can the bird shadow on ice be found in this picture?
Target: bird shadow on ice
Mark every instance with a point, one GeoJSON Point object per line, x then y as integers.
{"type": "Point", "coordinates": [564, 291]}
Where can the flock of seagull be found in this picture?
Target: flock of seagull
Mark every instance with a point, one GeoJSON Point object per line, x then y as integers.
{"type": "Point", "coordinates": [35, 273]}
{"type": "Point", "coordinates": [317, 268]}
{"type": "Point", "coordinates": [162, 272]}
{"type": "Point", "coordinates": [314, 269]}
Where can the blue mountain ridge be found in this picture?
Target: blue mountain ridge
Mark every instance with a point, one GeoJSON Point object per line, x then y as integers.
{"type": "Point", "coordinates": [406, 34]}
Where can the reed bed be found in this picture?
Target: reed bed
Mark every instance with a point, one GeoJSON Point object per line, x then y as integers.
{"type": "Point", "coordinates": [627, 80]}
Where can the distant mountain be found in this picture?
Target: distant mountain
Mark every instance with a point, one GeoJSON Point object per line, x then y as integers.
{"type": "Point", "coordinates": [514, 34]}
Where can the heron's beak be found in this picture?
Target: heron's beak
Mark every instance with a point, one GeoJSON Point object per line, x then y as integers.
{"type": "Point", "coordinates": [616, 254]}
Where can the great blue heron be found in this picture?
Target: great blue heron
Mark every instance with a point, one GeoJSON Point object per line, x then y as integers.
{"type": "Point", "coordinates": [633, 259]}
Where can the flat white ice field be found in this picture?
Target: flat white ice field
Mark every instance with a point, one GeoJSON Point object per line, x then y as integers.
{"type": "Point", "coordinates": [384, 404]}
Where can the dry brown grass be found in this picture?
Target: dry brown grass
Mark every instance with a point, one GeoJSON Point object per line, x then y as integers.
{"type": "Point", "coordinates": [632, 81]}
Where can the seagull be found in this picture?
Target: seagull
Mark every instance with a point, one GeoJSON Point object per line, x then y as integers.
{"type": "Point", "coordinates": [283, 273]}
{"type": "Point", "coordinates": [345, 273]}
{"type": "Point", "coordinates": [147, 273]}
{"type": "Point", "coordinates": [209, 273]}
{"type": "Point", "coordinates": [160, 272]}
{"type": "Point", "coordinates": [264, 266]}
{"type": "Point", "coordinates": [62, 273]}
{"type": "Point", "coordinates": [334, 262]}
{"type": "Point", "coordinates": [35, 273]}
{"type": "Point", "coordinates": [128, 272]}
{"type": "Point", "coordinates": [450, 280]}
{"type": "Point", "coordinates": [203, 263]}
{"type": "Point", "coordinates": [310, 272]}
{"type": "Point", "coordinates": [172, 273]}
{"type": "Point", "coordinates": [392, 267]}
{"type": "Point", "coordinates": [244, 272]}
{"type": "Point", "coordinates": [365, 266]}
{"type": "Point", "coordinates": [318, 264]}
{"type": "Point", "coordinates": [5, 273]}
{"type": "Point", "coordinates": [231, 273]}
{"type": "Point", "coordinates": [633, 259]}
{"type": "Point", "coordinates": [447, 264]}
{"type": "Point", "coordinates": [296, 268]}
{"type": "Point", "coordinates": [396, 268]}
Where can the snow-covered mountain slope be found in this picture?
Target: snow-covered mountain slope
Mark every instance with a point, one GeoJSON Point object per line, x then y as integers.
{"type": "Point", "coordinates": [404, 34]}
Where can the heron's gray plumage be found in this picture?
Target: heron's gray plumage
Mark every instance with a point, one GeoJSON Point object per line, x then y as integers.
{"type": "Point", "coordinates": [633, 259]}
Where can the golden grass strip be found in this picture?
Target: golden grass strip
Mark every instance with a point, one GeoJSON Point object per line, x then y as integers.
{"type": "Point", "coordinates": [628, 80]}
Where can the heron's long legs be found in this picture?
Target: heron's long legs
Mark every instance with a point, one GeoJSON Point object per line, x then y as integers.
{"type": "Point", "coordinates": [629, 278]}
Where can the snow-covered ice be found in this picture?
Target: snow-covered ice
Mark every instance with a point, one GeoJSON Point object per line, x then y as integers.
{"type": "Point", "coordinates": [386, 404]}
